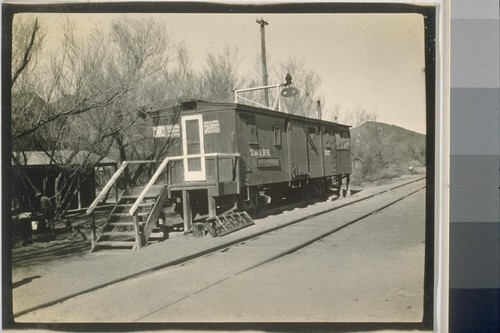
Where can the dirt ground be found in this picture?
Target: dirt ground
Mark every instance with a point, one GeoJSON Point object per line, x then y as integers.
{"type": "Point", "coordinates": [67, 247]}
{"type": "Point", "coordinates": [74, 242]}
{"type": "Point", "coordinates": [401, 251]}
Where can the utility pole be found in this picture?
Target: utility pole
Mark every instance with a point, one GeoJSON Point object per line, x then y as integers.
{"type": "Point", "coordinates": [262, 24]}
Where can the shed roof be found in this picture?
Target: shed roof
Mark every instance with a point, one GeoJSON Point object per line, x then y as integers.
{"type": "Point", "coordinates": [32, 158]}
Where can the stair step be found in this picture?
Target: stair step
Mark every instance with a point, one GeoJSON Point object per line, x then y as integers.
{"type": "Point", "coordinates": [121, 214]}
{"type": "Point", "coordinates": [125, 223]}
{"type": "Point", "coordinates": [144, 204]}
{"type": "Point", "coordinates": [131, 196]}
{"type": "Point", "coordinates": [130, 215]}
{"type": "Point", "coordinates": [118, 233]}
{"type": "Point", "coordinates": [116, 243]}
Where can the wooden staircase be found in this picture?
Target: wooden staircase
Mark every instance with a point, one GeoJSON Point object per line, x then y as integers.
{"type": "Point", "coordinates": [133, 231]}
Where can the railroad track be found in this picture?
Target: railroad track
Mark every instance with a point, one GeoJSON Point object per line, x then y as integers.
{"type": "Point", "coordinates": [258, 250]}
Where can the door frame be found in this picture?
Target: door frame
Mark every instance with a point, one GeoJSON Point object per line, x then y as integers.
{"type": "Point", "coordinates": [193, 175]}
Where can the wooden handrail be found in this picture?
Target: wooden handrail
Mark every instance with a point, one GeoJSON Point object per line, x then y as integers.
{"type": "Point", "coordinates": [151, 183]}
{"type": "Point", "coordinates": [160, 169]}
{"type": "Point", "coordinates": [111, 181]}
{"type": "Point", "coordinates": [141, 162]}
{"type": "Point", "coordinates": [106, 188]}
{"type": "Point", "coordinates": [155, 214]}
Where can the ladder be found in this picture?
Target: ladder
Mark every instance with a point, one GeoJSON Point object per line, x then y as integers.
{"type": "Point", "coordinates": [228, 222]}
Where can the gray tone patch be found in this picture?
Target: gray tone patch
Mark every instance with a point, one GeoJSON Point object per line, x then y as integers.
{"type": "Point", "coordinates": [474, 193]}
{"type": "Point", "coordinates": [474, 255]}
{"type": "Point", "coordinates": [466, 9]}
{"type": "Point", "coordinates": [475, 53]}
{"type": "Point", "coordinates": [475, 121]}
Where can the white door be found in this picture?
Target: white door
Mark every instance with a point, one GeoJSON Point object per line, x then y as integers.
{"type": "Point", "coordinates": [193, 148]}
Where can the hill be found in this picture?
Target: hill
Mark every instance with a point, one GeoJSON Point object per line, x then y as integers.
{"type": "Point", "coordinates": [382, 151]}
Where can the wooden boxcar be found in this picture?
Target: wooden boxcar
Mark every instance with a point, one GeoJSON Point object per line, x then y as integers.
{"type": "Point", "coordinates": [227, 154]}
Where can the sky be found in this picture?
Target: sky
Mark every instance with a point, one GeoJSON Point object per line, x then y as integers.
{"type": "Point", "coordinates": [372, 61]}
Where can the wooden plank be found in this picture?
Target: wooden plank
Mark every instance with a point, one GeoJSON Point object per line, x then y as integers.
{"type": "Point", "coordinates": [138, 242]}
{"type": "Point", "coordinates": [145, 197]}
{"type": "Point", "coordinates": [151, 182]}
{"type": "Point", "coordinates": [121, 223]}
{"type": "Point", "coordinates": [93, 236]}
{"type": "Point", "coordinates": [128, 205]}
{"type": "Point", "coordinates": [186, 206]}
{"type": "Point", "coordinates": [118, 233]}
{"type": "Point", "coordinates": [212, 207]}
{"type": "Point", "coordinates": [142, 162]}
{"type": "Point", "coordinates": [116, 243]}
{"type": "Point", "coordinates": [155, 213]}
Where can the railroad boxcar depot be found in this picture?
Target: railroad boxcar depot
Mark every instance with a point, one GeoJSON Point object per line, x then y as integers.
{"type": "Point", "coordinates": [226, 159]}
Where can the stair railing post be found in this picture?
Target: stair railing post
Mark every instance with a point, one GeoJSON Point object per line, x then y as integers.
{"type": "Point", "coordinates": [238, 175]}
{"type": "Point", "coordinates": [217, 177]}
{"type": "Point", "coordinates": [138, 241]}
{"type": "Point", "coordinates": [187, 211]}
{"type": "Point", "coordinates": [116, 190]}
{"type": "Point", "coordinates": [92, 229]}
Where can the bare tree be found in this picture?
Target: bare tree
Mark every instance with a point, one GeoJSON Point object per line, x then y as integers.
{"type": "Point", "coordinates": [308, 83]}
{"type": "Point", "coordinates": [142, 52]}
{"type": "Point", "coordinates": [72, 74]}
{"type": "Point", "coordinates": [179, 82]}
{"type": "Point", "coordinates": [51, 102]}
{"type": "Point", "coordinates": [358, 116]}
{"type": "Point", "coordinates": [220, 76]}
{"type": "Point", "coordinates": [26, 44]}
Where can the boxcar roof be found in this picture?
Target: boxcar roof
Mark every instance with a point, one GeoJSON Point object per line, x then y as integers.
{"type": "Point", "coordinates": [204, 106]}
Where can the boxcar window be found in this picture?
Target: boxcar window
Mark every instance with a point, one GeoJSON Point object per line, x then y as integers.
{"type": "Point", "coordinates": [253, 137]}
{"type": "Point", "coordinates": [277, 136]}
{"type": "Point", "coordinates": [346, 142]}
{"type": "Point", "coordinates": [311, 130]}
{"type": "Point", "coordinates": [328, 137]}
{"type": "Point", "coordinates": [328, 140]}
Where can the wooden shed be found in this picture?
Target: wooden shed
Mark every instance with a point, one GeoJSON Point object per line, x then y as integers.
{"type": "Point", "coordinates": [35, 172]}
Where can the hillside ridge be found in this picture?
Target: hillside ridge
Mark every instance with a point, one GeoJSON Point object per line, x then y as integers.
{"type": "Point", "coordinates": [382, 151]}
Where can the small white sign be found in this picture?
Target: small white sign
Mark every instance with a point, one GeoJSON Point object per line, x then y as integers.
{"type": "Point", "coordinates": [173, 131]}
{"type": "Point", "coordinates": [211, 127]}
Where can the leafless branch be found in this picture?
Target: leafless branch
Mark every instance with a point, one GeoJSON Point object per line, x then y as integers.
{"type": "Point", "coordinates": [78, 109]}
{"type": "Point", "coordinates": [27, 52]}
